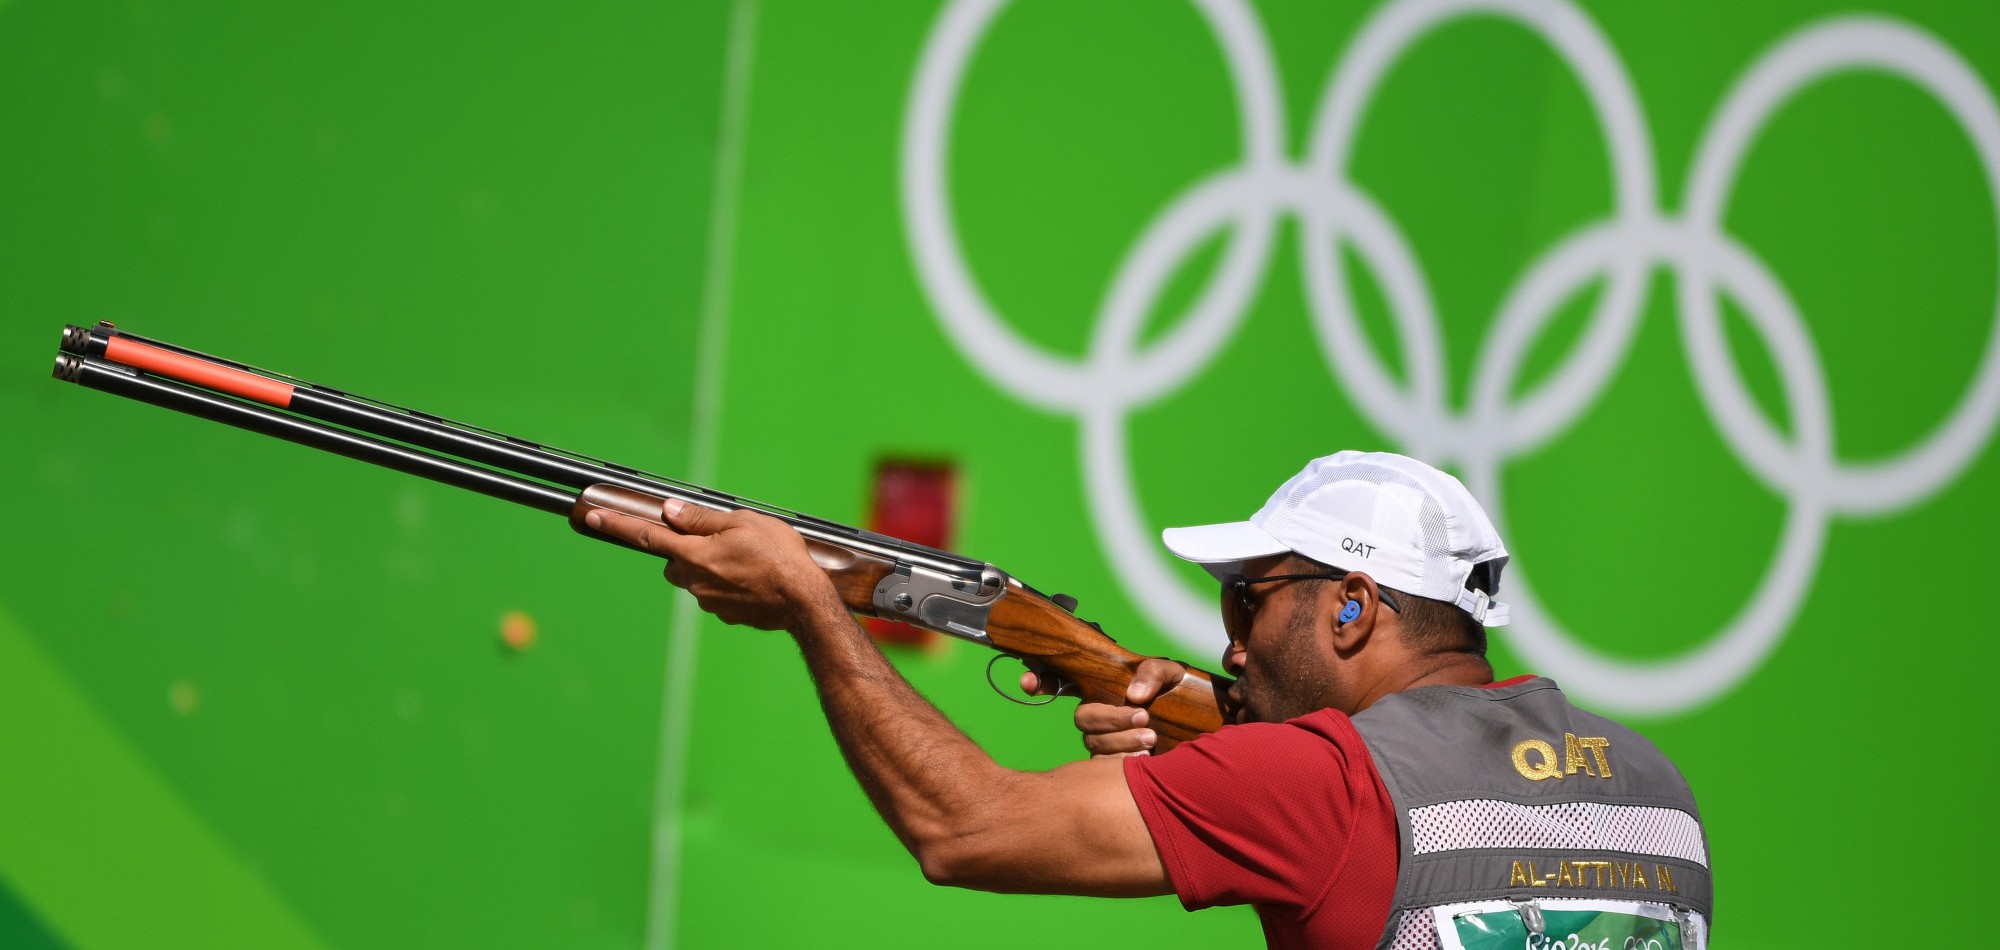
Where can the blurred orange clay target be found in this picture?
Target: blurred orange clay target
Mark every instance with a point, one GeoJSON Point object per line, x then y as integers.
{"type": "Point", "coordinates": [517, 630]}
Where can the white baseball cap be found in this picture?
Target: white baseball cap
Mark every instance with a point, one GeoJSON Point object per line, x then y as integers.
{"type": "Point", "coordinates": [1407, 525]}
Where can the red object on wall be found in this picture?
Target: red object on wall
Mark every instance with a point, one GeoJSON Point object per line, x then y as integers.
{"type": "Point", "coordinates": [913, 501]}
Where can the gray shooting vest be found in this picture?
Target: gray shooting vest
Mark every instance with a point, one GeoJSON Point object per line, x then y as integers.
{"type": "Point", "coordinates": [1512, 794]}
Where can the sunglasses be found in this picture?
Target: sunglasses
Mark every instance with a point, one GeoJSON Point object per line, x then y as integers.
{"type": "Point", "coordinates": [1236, 589]}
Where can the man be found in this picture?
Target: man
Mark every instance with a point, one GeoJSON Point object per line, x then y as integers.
{"type": "Point", "coordinates": [1379, 790]}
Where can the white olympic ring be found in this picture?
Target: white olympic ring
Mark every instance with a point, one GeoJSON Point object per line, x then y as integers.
{"type": "Point", "coordinates": [1116, 375]}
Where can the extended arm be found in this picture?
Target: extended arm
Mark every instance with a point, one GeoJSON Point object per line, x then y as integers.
{"type": "Point", "coordinates": [969, 821]}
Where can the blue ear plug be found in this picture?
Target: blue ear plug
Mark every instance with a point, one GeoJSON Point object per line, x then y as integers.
{"type": "Point", "coordinates": [1351, 611]}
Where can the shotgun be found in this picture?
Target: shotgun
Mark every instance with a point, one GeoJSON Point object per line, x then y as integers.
{"type": "Point", "coordinates": [876, 575]}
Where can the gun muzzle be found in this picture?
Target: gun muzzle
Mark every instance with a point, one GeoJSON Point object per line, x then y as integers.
{"type": "Point", "coordinates": [75, 339]}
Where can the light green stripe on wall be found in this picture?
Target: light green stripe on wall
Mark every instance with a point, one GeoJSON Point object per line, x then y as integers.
{"type": "Point", "coordinates": [104, 850]}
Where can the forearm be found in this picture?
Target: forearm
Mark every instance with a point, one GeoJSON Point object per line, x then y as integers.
{"type": "Point", "coordinates": [930, 782]}
{"type": "Point", "coordinates": [967, 820]}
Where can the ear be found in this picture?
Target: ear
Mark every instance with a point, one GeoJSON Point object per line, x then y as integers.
{"type": "Point", "coordinates": [1357, 611]}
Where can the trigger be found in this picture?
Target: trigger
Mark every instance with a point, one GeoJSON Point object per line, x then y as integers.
{"type": "Point", "coordinates": [1061, 684]}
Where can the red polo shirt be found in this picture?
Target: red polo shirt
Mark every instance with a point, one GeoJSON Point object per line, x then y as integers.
{"type": "Point", "coordinates": [1289, 817]}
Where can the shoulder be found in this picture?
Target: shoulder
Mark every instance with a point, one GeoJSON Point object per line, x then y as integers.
{"type": "Point", "coordinates": [1322, 747]}
{"type": "Point", "coordinates": [1266, 813]}
{"type": "Point", "coordinates": [1313, 731]}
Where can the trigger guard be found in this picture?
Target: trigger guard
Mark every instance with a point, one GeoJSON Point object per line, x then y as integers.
{"type": "Point", "coordinates": [997, 657]}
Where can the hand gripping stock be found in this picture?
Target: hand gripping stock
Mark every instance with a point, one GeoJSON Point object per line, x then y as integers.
{"type": "Point", "coordinates": [875, 574]}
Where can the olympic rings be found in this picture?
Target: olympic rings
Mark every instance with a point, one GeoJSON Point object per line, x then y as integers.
{"type": "Point", "coordinates": [1116, 375]}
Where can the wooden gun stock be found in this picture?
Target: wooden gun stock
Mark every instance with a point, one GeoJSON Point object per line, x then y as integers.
{"type": "Point", "coordinates": [1047, 637]}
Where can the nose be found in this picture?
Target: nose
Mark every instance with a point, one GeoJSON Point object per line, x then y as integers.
{"type": "Point", "coordinates": [1232, 659]}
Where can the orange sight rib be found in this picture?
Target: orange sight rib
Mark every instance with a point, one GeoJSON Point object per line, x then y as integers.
{"type": "Point", "coordinates": [203, 373]}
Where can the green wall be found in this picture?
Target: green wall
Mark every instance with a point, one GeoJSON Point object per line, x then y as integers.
{"type": "Point", "coordinates": [1699, 297]}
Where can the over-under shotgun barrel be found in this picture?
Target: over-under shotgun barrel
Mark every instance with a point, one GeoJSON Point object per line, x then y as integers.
{"type": "Point", "coordinates": [546, 463]}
